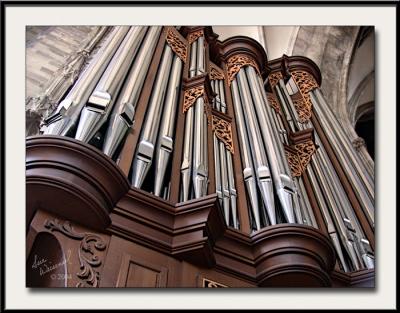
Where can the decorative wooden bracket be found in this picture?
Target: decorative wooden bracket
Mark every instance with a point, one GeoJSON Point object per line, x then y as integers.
{"type": "Point", "coordinates": [222, 129]}
{"type": "Point", "coordinates": [236, 62]}
{"type": "Point", "coordinates": [299, 156]}
{"type": "Point", "coordinates": [195, 35]}
{"type": "Point", "coordinates": [177, 43]}
{"type": "Point", "coordinates": [216, 73]}
{"type": "Point", "coordinates": [301, 100]}
{"type": "Point", "coordinates": [274, 78]}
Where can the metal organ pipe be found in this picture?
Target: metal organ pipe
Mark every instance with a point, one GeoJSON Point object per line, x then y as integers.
{"type": "Point", "coordinates": [187, 165]}
{"type": "Point", "coordinates": [66, 116]}
{"type": "Point", "coordinates": [145, 149]}
{"type": "Point", "coordinates": [359, 178]}
{"type": "Point", "coordinates": [96, 111]}
{"type": "Point", "coordinates": [122, 116]}
{"type": "Point", "coordinates": [200, 156]}
{"type": "Point", "coordinates": [248, 167]}
{"type": "Point", "coordinates": [262, 169]}
{"type": "Point", "coordinates": [281, 174]}
{"type": "Point", "coordinates": [165, 144]}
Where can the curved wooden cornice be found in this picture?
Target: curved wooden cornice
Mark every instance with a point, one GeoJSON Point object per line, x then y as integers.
{"type": "Point", "coordinates": [242, 45]}
{"type": "Point", "coordinates": [293, 63]}
{"type": "Point", "coordinates": [71, 179]}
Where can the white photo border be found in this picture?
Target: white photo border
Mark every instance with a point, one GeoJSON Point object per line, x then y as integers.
{"type": "Point", "coordinates": [384, 20]}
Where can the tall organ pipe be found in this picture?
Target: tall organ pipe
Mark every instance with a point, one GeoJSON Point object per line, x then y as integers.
{"type": "Point", "coordinates": [187, 165]}
{"type": "Point", "coordinates": [145, 150]}
{"type": "Point", "coordinates": [248, 167]}
{"type": "Point", "coordinates": [200, 155]}
{"type": "Point", "coordinates": [165, 143]}
{"type": "Point", "coordinates": [360, 179]}
{"type": "Point", "coordinates": [98, 108]}
{"type": "Point", "coordinates": [283, 181]}
{"type": "Point", "coordinates": [262, 169]}
{"type": "Point", "coordinates": [122, 116]}
{"type": "Point", "coordinates": [66, 116]}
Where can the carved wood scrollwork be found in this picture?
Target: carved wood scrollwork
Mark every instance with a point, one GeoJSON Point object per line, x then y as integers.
{"type": "Point", "coordinates": [273, 102]}
{"type": "Point", "coordinates": [299, 156]}
{"type": "Point", "coordinates": [88, 260]}
{"type": "Point", "coordinates": [216, 72]}
{"type": "Point", "coordinates": [302, 103]}
{"type": "Point", "coordinates": [274, 78]}
{"type": "Point", "coordinates": [190, 96]}
{"type": "Point", "coordinates": [193, 36]}
{"type": "Point", "coordinates": [208, 283]}
{"type": "Point", "coordinates": [176, 44]}
{"type": "Point", "coordinates": [236, 62]}
{"type": "Point", "coordinates": [223, 131]}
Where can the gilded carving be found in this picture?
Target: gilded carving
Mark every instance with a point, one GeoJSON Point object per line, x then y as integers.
{"type": "Point", "coordinates": [302, 106]}
{"type": "Point", "coordinates": [299, 160]}
{"type": "Point", "coordinates": [305, 82]}
{"type": "Point", "coordinates": [176, 44]}
{"type": "Point", "coordinates": [190, 96]}
{"type": "Point", "coordinates": [88, 260]}
{"type": "Point", "coordinates": [193, 36]}
{"type": "Point", "coordinates": [208, 283]}
{"type": "Point", "coordinates": [223, 131]}
{"type": "Point", "coordinates": [236, 62]}
{"type": "Point", "coordinates": [274, 78]}
{"type": "Point", "coordinates": [273, 102]}
{"type": "Point", "coordinates": [216, 72]}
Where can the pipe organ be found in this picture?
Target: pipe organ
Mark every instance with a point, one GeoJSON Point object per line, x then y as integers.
{"type": "Point", "coordinates": [185, 119]}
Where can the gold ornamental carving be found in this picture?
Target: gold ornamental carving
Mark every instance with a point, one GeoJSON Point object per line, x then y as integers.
{"type": "Point", "coordinates": [195, 35]}
{"type": "Point", "coordinates": [223, 131]}
{"type": "Point", "coordinates": [208, 283]}
{"type": "Point", "coordinates": [302, 107]}
{"type": "Point", "coordinates": [236, 62]}
{"type": "Point", "coordinates": [273, 102]}
{"type": "Point", "coordinates": [176, 44]}
{"type": "Point", "coordinates": [274, 78]}
{"type": "Point", "coordinates": [215, 72]}
{"type": "Point", "coordinates": [190, 96]}
{"type": "Point", "coordinates": [299, 157]}
{"type": "Point", "coordinates": [305, 82]}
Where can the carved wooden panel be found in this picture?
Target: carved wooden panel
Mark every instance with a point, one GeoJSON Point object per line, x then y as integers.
{"type": "Point", "coordinates": [236, 62]}
{"type": "Point", "coordinates": [223, 131]}
{"type": "Point", "coordinates": [305, 82]}
{"type": "Point", "coordinates": [215, 72]}
{"type": "Point", "coordinates": [190, 96]}
{"type": "Point", "coordinates": [193, 36]}
{"type": "Point", "coordinates": [137, 273]}
{"type": "Point", "coordinates": [274, 78]}
{"type": "Point", "coordinates": [299, 156]}
{"type": "Point", "coordinates": [90, 244]}
{"type": "Point", "coordinates": [176, 43]}
{"type": "Point", "coordinates": [273, 102]}
{"type": "Point", "coordinates": [302, 106]}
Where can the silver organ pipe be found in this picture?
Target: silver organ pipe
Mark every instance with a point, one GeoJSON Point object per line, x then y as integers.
{"type": "Point", "coordinates": [145, 150]}
{"type": "Point", "coordinates": [187, 165]}
{"type": "Point", "coordinates": [262, 170]}
{"type": "Point", "coordinates": [225, 181]}
{"type": "Point", "coordinates": [248, 167]}
{"type": "Point", "coordinates": [200, 155]}
{"type": "Point", "coordinates": [96, 111]}
{"type": "Point", "coordinates": [348, 157]}
{"type": "Point", "coordinates": [66, 116]}
{"type": "Point", "coordinates": [283, 181]}
{"type": "Point", "coordinates": [122, 116]}
{"type": "Point", "coordinates": [165, 143]}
